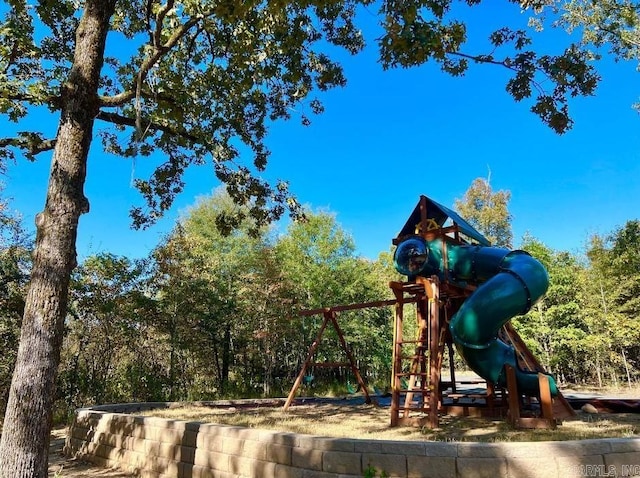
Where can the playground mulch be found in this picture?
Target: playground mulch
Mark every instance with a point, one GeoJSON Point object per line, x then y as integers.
{"type": "Point", "coordinates": [352, 418]}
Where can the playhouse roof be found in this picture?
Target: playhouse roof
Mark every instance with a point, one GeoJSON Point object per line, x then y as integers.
{"type": "Point", "coordinates": [439, 213]}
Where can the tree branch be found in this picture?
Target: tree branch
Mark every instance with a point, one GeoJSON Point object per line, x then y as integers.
{"type": "Point", "coordinates": [159, 52]}
{"type": "Point", "coordinates": [482, 59]}
{"type": "Point", "coordinates": [12, 57]}
{"type": "Point", "coordinates": [148, 17]}
{"type": "Point", "coordinates": [126, 121]}
{"type": "Point", "coordinates": [157, 34]}
{"type": "Point", "coordinates": [31, 143]}
{"type": "Point", "coordinates": [504, 63]}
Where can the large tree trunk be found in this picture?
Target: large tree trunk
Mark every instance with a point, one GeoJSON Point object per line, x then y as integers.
{"type": "Point", "coordinates": [27, 422]}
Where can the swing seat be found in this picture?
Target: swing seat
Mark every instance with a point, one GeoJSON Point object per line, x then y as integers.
{"type": "Point", "coordinates": [352, 389]}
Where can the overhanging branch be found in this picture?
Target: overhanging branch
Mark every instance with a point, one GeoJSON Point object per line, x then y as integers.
{"type": "Point", "coordinates": [159, 51]}
{"type": "Point", "coordinates": [506, 63]}
{"type": "Point", "coordinates": [52, 100]}
{"type": "Point", "coordinates": [126, 121]}
{"type": "Point", "coordinates": [30, 143]}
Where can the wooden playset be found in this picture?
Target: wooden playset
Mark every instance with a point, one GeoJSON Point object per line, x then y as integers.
{"type": "Point", "coordinates": [454, 263]}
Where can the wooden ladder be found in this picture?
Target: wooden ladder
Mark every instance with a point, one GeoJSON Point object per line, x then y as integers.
{"type": "Point", "coordinates": [423, 375]}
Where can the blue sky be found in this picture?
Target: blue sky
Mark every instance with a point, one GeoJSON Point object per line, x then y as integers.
{"type": "Point", "coordinates": [389, 137]}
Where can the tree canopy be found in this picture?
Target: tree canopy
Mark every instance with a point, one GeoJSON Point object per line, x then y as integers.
{"type": "Point", "coordinates": [195, 81]}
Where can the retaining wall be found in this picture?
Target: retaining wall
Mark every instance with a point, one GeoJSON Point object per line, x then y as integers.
{"type": "Point", "coordinates": [152, 447]}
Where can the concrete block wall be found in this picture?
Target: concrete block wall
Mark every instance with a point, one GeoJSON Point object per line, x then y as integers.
{"type": "Point", "coordinates": [152, 447]}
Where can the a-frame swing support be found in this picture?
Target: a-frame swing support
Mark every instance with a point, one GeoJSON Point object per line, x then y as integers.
{"type": "Point", "coordinates": [330, 317]}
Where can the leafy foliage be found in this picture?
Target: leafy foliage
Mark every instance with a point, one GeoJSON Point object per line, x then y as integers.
{"type": "Point", "coordinates": [194, 81]}
{"type": "Point", "coordinates": [198, 82]}
{"type": "Point", "coordinates": [15, 248]}
{"type": "Point", "coordinates": [487, 211]}
{"type": "Point", "coordinates": [610, 24]}
{"type": "Point", "coordinates": [317, 256]}
{"type": "Point", "coordinates": [107, 356]}
{"type": "Point", "coordinates": [420, 31]}
{"type": "Point", "coordinates": [215, 315]}
{"type": "Point", "coordinates": [586, 329]}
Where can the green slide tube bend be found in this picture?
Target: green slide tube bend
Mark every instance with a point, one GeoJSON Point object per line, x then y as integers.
{"type": "Point", "coordinates": [509, 284]}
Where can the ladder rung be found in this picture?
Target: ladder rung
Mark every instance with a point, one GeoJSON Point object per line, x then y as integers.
{"type": "Point", "coordinates": [415, 409]}
{"type": "Point", "coordinates": [457, 396]}
{"type": "Point", "coordinates": [330, 364]}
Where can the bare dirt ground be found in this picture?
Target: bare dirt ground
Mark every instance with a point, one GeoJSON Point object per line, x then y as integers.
{"type": "Point", "coordinates": [63, 467]}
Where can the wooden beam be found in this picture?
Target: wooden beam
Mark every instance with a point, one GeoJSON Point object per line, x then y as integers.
{"type": "Point", "coordinates": [423, 214]}
{"type": "Point", "coordinates": [396, 359]}
{"type": "Point", "coordinates": [354, 368]}
{"type": "Point", "coordinates": [340, 308]}
{"type": "Point", "coordinates": [434, 351]}
{"type": "Point", "coordinates": [312, 350]}
{"type": "Point", "coordinates": [561, 407]}
{"type": "Point", "coordinates": [330, 364]}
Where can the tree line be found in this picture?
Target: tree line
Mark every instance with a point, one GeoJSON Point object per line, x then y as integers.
{"type": "Point", "coordinates": [210, 316]}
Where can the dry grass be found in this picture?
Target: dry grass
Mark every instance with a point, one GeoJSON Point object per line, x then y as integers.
{"type": "Point", "coordinates": [370, 422]}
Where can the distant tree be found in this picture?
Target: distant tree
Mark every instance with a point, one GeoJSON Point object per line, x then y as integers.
{"type": "Point", "coordinates": [316, 255]}
{"type": "Point", "coordinates": [215, 270]}
{"type": "Point", "coordinates": [556, 329]}
{"type": "Point", "coordinates": [487, 211]}
{"type": "Point", "coordinates": [611, 293]}
{"type": "Point", "coordinates": [319, 258]}
{"type": "Point", "coordinates": [107, 354]}
{"type": "Point", "coordinates": [15, 262]}
{"type": "Point", "coordinates": [182, 295]}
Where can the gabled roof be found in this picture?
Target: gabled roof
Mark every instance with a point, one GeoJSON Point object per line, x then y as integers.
{"type": "Point", "coordinates": [439, 213]}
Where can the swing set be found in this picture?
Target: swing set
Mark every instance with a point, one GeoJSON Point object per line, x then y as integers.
{"type": "Point", "coordinates": [330, 317]}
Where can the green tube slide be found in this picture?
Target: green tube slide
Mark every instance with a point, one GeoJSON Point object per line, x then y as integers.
{"type": "Point", "coordinates": [509, 283]}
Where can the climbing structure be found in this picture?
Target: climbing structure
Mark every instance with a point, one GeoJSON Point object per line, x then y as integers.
{"type": "Point", "coordinates": [465, 292]}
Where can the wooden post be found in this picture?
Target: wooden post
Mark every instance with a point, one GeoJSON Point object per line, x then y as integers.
{"type": "Point", "coordinates": [423, 214]}
{"type": "Point", "coordinates": [300, 376]}
{"type": "Point", "coordinates": [452, 371]}
{"type": "Point", "coordinates": [434, 352]}
{"type": "Point", "coordinates": [546, 405]}
{"type": "Point", "coordinates": [354, 368]}
{"type": "Point", "coordinates": [514, 397]}
{"type": "Point", "coordinates": [396, 359]}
